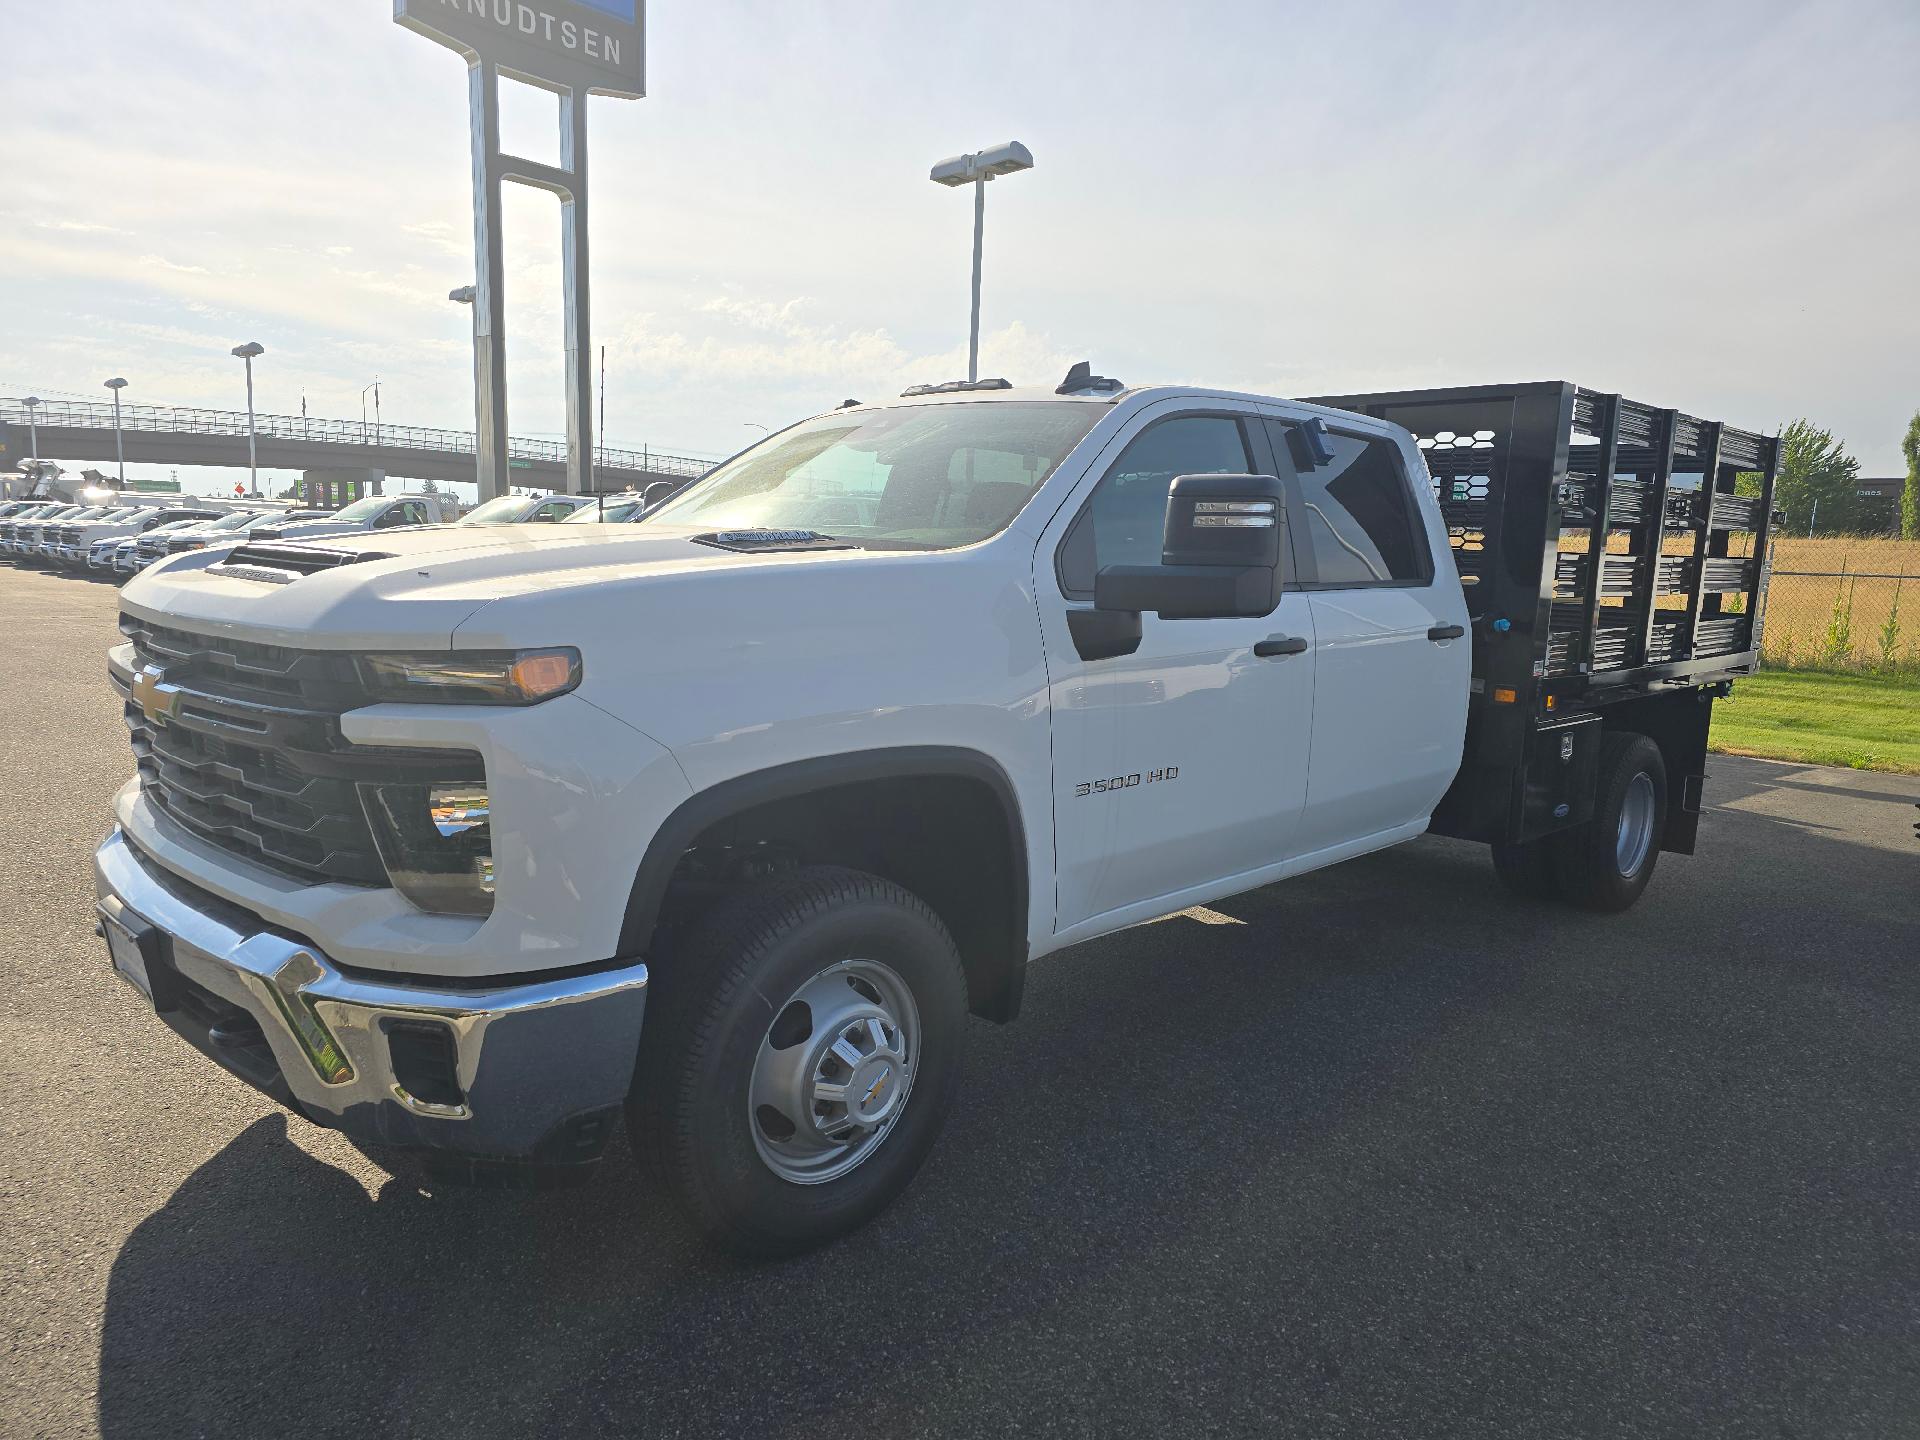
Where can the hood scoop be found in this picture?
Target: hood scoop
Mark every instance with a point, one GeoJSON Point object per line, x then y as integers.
{"type": "Point", "coordinates": [756, 542]}
{"type": "Point", "coordinates": [276, 564]}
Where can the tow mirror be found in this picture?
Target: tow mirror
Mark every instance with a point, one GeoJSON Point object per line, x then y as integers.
{"type": "Point", "coordinates": [1220, 558]}
{"type": "Point", "coordinates": [659, 492]}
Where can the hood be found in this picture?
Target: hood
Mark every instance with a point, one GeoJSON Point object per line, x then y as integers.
{"type": "Point", "coordinates": [294, 529]}
{"type": "Point", "coordinates": [101, 530]}
{"type": "Point", "coordinates": [413, 587]}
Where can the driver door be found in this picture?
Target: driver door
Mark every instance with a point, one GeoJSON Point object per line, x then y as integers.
{"type": "Point", "coordinates": [1183, 766]}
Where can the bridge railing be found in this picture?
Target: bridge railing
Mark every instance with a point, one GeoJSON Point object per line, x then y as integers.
{"type": "Point", "coordinates": [186, 420]}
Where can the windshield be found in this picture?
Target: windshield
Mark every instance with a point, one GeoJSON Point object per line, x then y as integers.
{"type": "Point", "coordinates": [503, 510]}
{"type": "Point", "coordinates": [234, 520]}
{"type": "Point", "coordinates": [610, 511]}
{"type": "Point", "coordinates": [362, 509]}
{"type": "Point", "coordinates": [917, 477]}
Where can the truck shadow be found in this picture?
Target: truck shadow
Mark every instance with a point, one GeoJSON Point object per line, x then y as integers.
{"type": "Point", "coordinates": [1305, 1090]}
{"type": "Point", "coordinates": [271, 1283]}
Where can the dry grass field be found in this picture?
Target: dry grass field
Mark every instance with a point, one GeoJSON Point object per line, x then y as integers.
{"type": "Point", "coordinates": [1842, 602]}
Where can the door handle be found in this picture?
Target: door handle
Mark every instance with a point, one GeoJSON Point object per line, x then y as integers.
{"type": "Point", "coordinates": [1446, 632]}
{"type": "Point", "coordinates": [1280, 645]}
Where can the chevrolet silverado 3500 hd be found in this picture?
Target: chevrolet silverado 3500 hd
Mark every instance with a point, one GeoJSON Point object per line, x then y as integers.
{"type": "Point", "coordinates": [815, 760]}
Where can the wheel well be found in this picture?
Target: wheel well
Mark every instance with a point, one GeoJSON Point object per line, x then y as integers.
{"type": "Point", "coordinates": [1678, 723]}
{"type": "Point", "coordinates": [953, 839]}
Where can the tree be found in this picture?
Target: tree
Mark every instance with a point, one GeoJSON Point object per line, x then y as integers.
{"type": "Point", "coordinates": [1910, 497]}
{"type": "Point", "coordinates": [1815, 471]}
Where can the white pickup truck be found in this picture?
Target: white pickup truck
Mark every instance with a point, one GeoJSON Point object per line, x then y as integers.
{"type": "Point", "coordinates": [375, 512]}
{"type": "Point", "coordinates": [472, 839]}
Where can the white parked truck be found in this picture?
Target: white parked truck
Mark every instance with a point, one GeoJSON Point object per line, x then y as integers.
{"type": "Point", "coordinates": [475, 839]}
{"type": "Point", "coordinates": [375, 512]}
{"type": "Point", "coordinates": [76, 538]}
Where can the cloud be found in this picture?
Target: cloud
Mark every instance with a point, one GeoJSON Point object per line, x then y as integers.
{"type": "Point", "coordinates": [78, 227]}
{"type": "Point", "coordinates": [162, 263]}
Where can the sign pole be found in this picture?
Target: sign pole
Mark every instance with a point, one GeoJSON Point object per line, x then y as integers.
{"type": "Point", "coordinates": [490, 296]}
{"type": "Point", "coordinates": [574, 48]}
{"type": "Point", "coordinates": [573, 266]}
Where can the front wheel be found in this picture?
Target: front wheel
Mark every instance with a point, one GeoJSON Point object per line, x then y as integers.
{"type": "Point", "coordinates": [799, 1057]}
{"type": "Point", "coordinates": [1606, 863]}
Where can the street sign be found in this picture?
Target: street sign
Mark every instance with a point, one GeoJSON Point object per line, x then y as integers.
{"type": "Point", "coordinates": [576, 48]}
{"type": "Point", "coordinates": [592, 46]}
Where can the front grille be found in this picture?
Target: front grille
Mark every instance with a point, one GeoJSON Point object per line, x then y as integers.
{"type": "Point", "coordinates": [247, 753]}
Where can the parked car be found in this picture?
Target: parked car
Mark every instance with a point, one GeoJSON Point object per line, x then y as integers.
{"type": "Point", "coordinates": [628, 506]}
{"type": "Point", "coordinates": [799, 792]}
{"type": "Point", "coordinates": [78, 538]}
{"type": "Point", "coordinates": [67, 541]}
{"type": "Point", "coordinates": [10, 537]}
{"type": "Point", "coordinates": [375, 512]}
{"type": "Point", "coordinates": [231, 530]}
{"type": "Point", "coordinates": [127, 552]}
{"type": "Point", "coordinates": [30, 542]}
{"type": "Point", "coordinates": [153, 541]}
{"type": "Point", "coordinates": [545, 509]}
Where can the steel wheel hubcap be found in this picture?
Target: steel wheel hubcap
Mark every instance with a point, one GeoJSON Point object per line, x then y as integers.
{"type": "Point", "coordinates": [1635, 836]}
{"type": "Point", "coordinates": [833, 1071]}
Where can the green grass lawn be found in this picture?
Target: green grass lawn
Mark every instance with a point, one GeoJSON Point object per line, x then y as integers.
{"type": "Point", "coordinates": [1865, 722]}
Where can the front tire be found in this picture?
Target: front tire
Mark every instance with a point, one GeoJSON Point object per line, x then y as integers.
{"type": "Point", "coordinates": [799, 1057]}
{"type": "Point", "coordinates": [1605, 864]}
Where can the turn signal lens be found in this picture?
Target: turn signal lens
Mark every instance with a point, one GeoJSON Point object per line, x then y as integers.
{"type": "Point", "coordinates": [543, 673]}
{"type": "Point", "coordinates": [1505, 695]}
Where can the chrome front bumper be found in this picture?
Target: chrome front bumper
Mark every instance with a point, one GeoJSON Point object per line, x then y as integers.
{"type": "Point", "coordinates": [535, 1071]}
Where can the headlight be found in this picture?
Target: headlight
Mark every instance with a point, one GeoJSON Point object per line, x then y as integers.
{"type": "Point", "coordinates": [435, 842]}
{"type": "Point", "coordinates": [474, 677]}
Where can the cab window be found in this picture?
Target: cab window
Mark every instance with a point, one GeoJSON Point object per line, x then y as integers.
{"type": "Point", "coordinates": [1125, 519]}
{"type": "Point", "coordinates": [1357, 515]}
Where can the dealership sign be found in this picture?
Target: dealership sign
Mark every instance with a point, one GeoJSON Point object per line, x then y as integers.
{"type": "Point", "coordinates": [591, 46]}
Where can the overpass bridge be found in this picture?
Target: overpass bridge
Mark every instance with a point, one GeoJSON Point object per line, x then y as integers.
{"type": "Point", "coordinates": [83, 431]}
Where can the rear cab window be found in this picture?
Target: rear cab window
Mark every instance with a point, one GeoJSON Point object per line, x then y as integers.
{"type": "Point", "coordinates": [1354, 519]}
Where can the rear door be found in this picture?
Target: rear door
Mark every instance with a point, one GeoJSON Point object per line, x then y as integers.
{"type": "Point", "coordinates": [1393, 659]}
{"type": "Point", "coordinates": [1184, 763]}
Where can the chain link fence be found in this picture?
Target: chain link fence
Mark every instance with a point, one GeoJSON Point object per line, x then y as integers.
{"type": "Point", "coordinates": [1838, 602]}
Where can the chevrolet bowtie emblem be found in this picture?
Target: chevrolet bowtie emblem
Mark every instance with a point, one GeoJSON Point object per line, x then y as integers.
{"type": "Point", "coordinates": [158, 701]}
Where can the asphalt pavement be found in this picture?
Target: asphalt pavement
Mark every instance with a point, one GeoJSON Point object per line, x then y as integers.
{"type": "Point", "coordinates": [1380, 1151]}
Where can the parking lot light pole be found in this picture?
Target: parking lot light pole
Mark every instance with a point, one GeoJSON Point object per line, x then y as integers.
{"type": "Point", "coordinates": [32, 402]}
{"type": "Point", "coordinates": [247, 352]}
{"type": "Point", "coordinates": [117, 384]}
{"type": "Point", "coordinates": [976, 170]}
{"type": "Point", "coordinates": [375, 388]}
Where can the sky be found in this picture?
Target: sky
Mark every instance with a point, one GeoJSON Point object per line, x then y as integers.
{"type": "Point", "coordinates": [1701, 205]}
